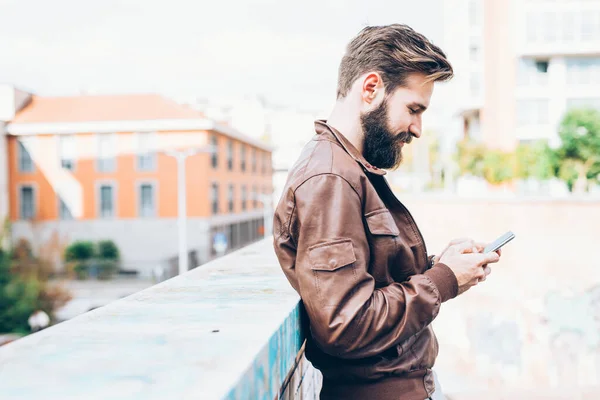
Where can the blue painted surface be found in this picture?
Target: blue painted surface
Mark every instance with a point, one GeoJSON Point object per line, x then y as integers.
{"type": "Point", "coordinates": [262, 381]}
{"type": "Point", "coordinates": [226, 330]}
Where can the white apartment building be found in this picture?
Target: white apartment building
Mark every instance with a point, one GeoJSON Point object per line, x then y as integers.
{"type": "Point", "coordinates": [520, 65]}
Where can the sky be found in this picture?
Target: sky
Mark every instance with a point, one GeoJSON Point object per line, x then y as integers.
{"type": "Point", "coordinates": [288, 52]}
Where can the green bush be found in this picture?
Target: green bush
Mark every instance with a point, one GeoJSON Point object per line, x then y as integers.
{"type": "Point", "coordinates": [87, 259]}
{"type": "Point", "coordinates": [108, 250]}
{"type": "Point", "coordinates": [79, 251]}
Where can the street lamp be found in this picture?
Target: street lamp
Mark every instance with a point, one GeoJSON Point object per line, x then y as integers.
{"type": "Point", "coordinates": [181, 156]}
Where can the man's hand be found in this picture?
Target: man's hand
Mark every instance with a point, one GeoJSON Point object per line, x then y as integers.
{"type": "Point", "coordinates": [468, 263]}
{"type": "Point", "coordinates": [477, 247]}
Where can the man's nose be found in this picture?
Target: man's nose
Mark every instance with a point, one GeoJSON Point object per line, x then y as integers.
{"type": "Point", "coordinates": [415, 130]}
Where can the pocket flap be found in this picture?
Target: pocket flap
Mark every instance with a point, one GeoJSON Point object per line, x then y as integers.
{"type": "Point", "coordinates": [332, 255]}
{"type": "Point", "coordinates": [381, 222]}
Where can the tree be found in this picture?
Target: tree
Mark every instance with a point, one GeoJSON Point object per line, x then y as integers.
{"type": "Point", "coordinates": [495, 166]}
{"type": "Point", "coordinates": [579, 153]}
{"type": "Point", "coordinates": [17, 298]}
{"type": "Point", "coordinates": [498, 166]}
{"type": "Point", "coordinates": [25, 288]}
{"type": "Point", "coordinates": [535, 160]}
{"type": "Point", "coordinates": [470, 157]}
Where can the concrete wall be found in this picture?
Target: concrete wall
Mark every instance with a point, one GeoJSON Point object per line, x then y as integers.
{"type": "Point", "coordinates": [144, 243]}
{"type": "Point", "coordinates": [536, 321]}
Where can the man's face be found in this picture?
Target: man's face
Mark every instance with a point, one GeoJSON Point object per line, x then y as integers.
{"type": "Point", "coordinates": [395, 122]}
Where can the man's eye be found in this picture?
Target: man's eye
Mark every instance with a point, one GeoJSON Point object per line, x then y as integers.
{"type": "Point", "coordinates": [411, 111]}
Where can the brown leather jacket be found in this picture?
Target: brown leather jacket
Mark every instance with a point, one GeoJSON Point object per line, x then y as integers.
{"type": "Point", "coordinates": [355, 256]}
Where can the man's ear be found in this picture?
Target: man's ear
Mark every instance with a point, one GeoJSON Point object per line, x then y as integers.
{"type": "Point", "coordinates": [372, 87]}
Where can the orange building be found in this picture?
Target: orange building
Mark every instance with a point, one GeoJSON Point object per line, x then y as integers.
{"type": "Point", "coordinates": [101, 167]}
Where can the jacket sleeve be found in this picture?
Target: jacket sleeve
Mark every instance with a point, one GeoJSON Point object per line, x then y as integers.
{"type": "Point", "coordinates": [349, 317]}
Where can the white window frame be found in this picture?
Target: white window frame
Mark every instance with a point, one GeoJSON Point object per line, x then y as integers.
{"type": "Point", "coordinates": [60, 200]}
{"type": "Point", "coordinates": [154, 185]}
{"type": "Point", "coordinates": [21, 141]}
{"type": "Point", "coordinates": [61, 139]}
{"type": "Point", "coordinates": [212, 200]}
{"type": "Point", "coordinates": [139, 151]}
{"type": "Point", "coordinates": [34, 199]}
{"type": "Point", "coordinates": [231, 198]}
{"type": "Point", "coordinates": [115, 196]}
{"type": "Point", "coordinates": [113, 146]}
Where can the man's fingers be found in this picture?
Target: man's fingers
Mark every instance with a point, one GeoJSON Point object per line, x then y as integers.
{"type": "Point", "coordinates": [488, 258]}
{"type": "Point", "coordinates": [487, 270]}
{"type": "Point", "coordinates": [480, 246]}
{"type": "Point", "coordinates": [464, 247]}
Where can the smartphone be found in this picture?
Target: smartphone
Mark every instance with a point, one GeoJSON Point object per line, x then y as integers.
{"type": "Point", "coordinates": [498, 243]}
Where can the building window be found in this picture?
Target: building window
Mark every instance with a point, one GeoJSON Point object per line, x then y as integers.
{"type": "Point", "coordinates": [107, 204]}
{"type": "Point", "coordinates": [63, 211]}
{"type": "Point", "coordinates": [67, 151]}
{"type": "Point", "coordinates": [27, 209]}
{"type": "Point", "coordinates": [569, 26]}
{"type": "Point", "coordinates": [267, 163]}
{"type": "Point", "coordinates": [473, 13]}
{"type": "Point", "coordinates": [230, 196]}
{"type": "Point", "coordinates": [541, 66]}
{"type": "Point", "coordinates": [147, 200]}
{"type": "Point", "coordinates": [230, 155]}
{"type": "Point", "coordinates": [589, 102]}
{"type": "Point", "coordinates": [550, 26]}
{"type": "Point", "coordinates": [474, 84]}
{"type": "Point", "coordinates": [215, 198]}
{"type": "Point", "coordinates": [532, 72]}
{"type": "Point", "coordinates": [474, 53]}
{"type": "Point", "coordinates": [244, 199]}
{"type": "Point", "coordinates": [254, 160]}
{"type": "Point", "coordinates": [533, 19]}
{"type": "Point", "coordinates": [243, 158]}
{"type": "Point", "coordinates": [25, 161]}
{"type": "Point", "coordinates": [255, 197]}
{"type": "Point", "coordinates": [532, 112]}
{"type": "Point", "coordinates": [589, 25]}
{"type": "Point", "coordinates": [107, 152]}
{"type": "Point", "coordinates": [583, 71]}
{"type": "Point", "coordinates": [214, 157]}
{"type": "Point", "coordinates": [146, 151]}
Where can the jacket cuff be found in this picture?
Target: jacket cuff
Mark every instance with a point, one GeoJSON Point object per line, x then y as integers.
{"type": "Point", "coordinates": [444, 279]}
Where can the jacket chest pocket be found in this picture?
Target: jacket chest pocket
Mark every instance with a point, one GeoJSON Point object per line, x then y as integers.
{"type": "Point", "coordinates": [383, 244]}
{"type": "Point", "coordinates": [334, 270]}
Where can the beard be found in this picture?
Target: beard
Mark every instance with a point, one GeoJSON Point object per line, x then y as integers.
{"type": "Point", "coordinates": [381, 146]}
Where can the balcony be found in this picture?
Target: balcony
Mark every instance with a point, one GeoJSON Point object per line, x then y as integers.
{"type": "Point", "coordinates": [193, 336]}
{"type": "Point", "coordinates": [230, 328]}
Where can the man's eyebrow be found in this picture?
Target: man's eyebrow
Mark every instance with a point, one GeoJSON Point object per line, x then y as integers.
{"type": "Point", "coordinates": [418, 105]}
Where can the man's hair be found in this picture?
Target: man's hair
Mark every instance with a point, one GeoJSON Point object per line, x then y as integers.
{"type": "Point", "coordinates": [394, 51]}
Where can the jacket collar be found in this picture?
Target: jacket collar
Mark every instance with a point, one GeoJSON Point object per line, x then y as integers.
{"type": "Point", "coordinates": [322, 127]}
